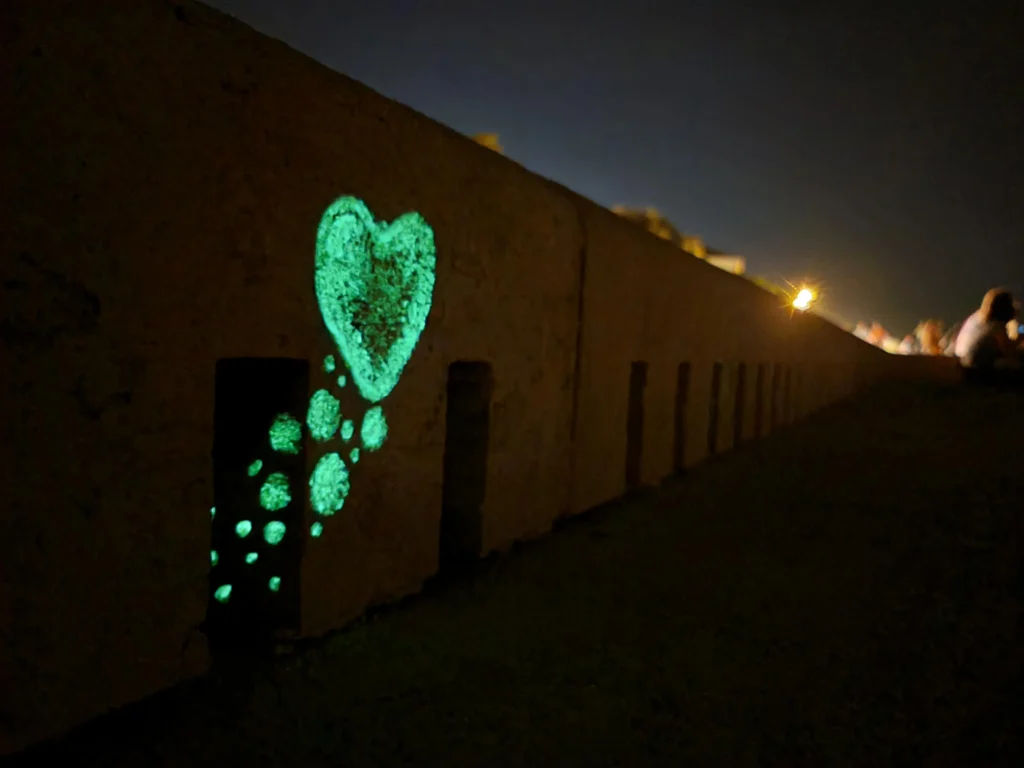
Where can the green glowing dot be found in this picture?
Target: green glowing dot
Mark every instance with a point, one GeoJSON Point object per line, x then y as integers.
{"type": "Point", "coordinates": [275, 583]}
{"type": "Point", "coordinates": [374, 283]}
{"type": "Point", "coordinates": [285, 434]}
{"type": "Point", "coordinates": [354, 456]}
{"type": "Point", "coordinates": [316, 530]}
{"type": "Point", "coordinates": [214, 557]}
{"type": "Point", "coordinates": [347, 430]}
{"type": "Point", "coordinates": [273, 532]}
{"type": "Point", "coordinates": [223, 593]}
{"type": "Point", "coordinates": [255, 467]}
{"type": "Point", "coordinates": [375, 429]}
{"type": "Point", "coordinates": [329, 364]}
{"type": "Point", "coordinates": [243, 529]}
{"type": "Point", "coordinates": [251, 558]}
{"type": "Point", "coordinates": [341, 381]}
{"type": "Point", "coordinates": [323, 416]}
{"type": "Point", "coordinates": [213, 512]}
{"type": "Point", "coordinates": [329, 485]}
{"type": "Point", "coordinates": [275, 494]}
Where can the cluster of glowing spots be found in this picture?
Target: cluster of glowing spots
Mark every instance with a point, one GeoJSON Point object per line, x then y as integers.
{"type": "Point", "coordinates": [255, 467]}
{"type": "Point", "coordinates": [374, 430]}
{"type": "Point", "coordinates": [329, 364]}
{"type": "Point", "coordinates": [316, 530]}
{"type": "Point", "coordinates": [273, 532]}
{"type": "Point", "coordinates": [222, 593]}
{"type": "Point", "coordinates": [214, 557]}
{"type": "Point", "coordinates": [285, 434]}
{"type": "Point", "coordinates": [251, 558]}
{"type": "Point", "coordinates": [803, 299]}
{"type": "Point", "coordinates": [275, 583]}
{"type": "Point", "coordinates": [243, 528]}
{"type": "Point", "coordinates": [328, 485]}
{"type": "Point", "coordinates": [354, 456]}
{"type": "Point", "coordinates": [348, 428]}
{"type": "Point", "coordinates": [324, 415]}
{"type": "Point", "coordinates": [374, 285]}
{"type": "Point", "coordinates": [275, 493]}
{"type": "Point", "coordinates": [341, 381]}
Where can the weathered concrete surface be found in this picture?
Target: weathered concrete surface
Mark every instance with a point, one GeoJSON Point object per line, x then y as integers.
{"type": "Point", "coordinates": [807, 600]}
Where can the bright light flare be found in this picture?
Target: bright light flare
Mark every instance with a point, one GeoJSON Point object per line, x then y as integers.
{"type": "Point", "coordinates": [803, 299]}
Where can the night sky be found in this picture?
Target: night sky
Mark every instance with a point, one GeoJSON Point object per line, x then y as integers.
{"type": "Point", "coordinates": [877, 149]}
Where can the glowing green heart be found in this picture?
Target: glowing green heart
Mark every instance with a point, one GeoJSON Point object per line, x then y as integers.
{"type": "Point", "coordinates": [374, 284]}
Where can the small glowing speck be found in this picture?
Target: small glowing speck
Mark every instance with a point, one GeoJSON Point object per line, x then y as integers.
{"type": "Point", "coordinates": [341, 381]}
{"type": "Point", "coordinates": [285, 434]}
{"type": "Point", "coordinates": [251, 558]}
{"type": "Point", "coordinates": [214, 557]}
{"type": "Point", "coordinates": [223, 593]}
{"type": "Point", "coordinates": [213, 512]}
{"type": "Point", "coordinates": [316, 530]}
{"type": "Point", "coordinates": [375, 429]}
{"type": "Point", "coordinates": [348, 428]}
{"type": "Point", "coordinates": [275, 583]}
{"type": "Point", "coordinates": [255, 467]}
{"type": "Point", "coordinates": [275, 493]}
{"type": "Point", "coordinates": [329, 364]}
{"type": "Point", "coordinates": [243, 529]}
{"type": "Point", "coordinates": [274, 532]}
{"type": "Point", "coordinates": [354, 456]}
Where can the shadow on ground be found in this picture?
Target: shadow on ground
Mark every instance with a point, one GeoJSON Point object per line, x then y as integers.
{"type": "Point", "coordinates": [844, 593]}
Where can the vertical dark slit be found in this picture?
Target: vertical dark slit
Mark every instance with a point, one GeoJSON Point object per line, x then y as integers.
{"type": "Point", "coordinates": [466, 443]}
{"type": "Point", "coordinates": [635, 424]}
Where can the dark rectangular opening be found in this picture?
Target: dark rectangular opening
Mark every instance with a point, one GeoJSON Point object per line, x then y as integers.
{"type": "Point", "coordinates": [257, 534]}
{"type": "Point", "coordinates": [466, 443]}
{"type": "Point", "coordinates": [635, 424]}
{"type": "Point", "coordinates": [739, 416]}
{"type": "Point", "coordinates": [716, 394]}
{"type": "Point", "coordinates": [759, 385]}
{"type": "Point", "coordinates": [682, 401]}
{"type": "Point", "coordinates": [776, 391]}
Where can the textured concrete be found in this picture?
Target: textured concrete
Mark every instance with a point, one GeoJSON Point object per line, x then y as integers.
{"type": "Point", "coordinates": [164, 173]}
{"type": "Point", "coordinates": [807, 600]}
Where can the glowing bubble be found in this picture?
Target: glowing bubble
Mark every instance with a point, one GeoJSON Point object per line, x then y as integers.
{"type": "Point", "coordinates": [354, 456]}
{"type": "Point", "coordinates": [329, 364]}
{"type": "Point", "coordinates": [273, 532]}
{"type": "Point", "coordinates": [251, 558]}
{"type": "Point", "coordinates": [213, 512]}
{"type": "Point", "coordinates": [329, 485]}
{"type": "Point", "coordinates": [374, 430]}
{"type": "Point", "coordinates": [285, 434]}
{"type": "Point", "coordinates": [316, 530]}
{"type": "Point", "coordinates": [255, 467]}
{"type": "Point", "coordinates": [804, 299]}
{"type": "Point", "coordinates": [275, 493]}
{"type": "Point", "coordinates": [374, 284]}
{"type": "Point", "coordinates": [222, 593]}
{"type": "Point", "coordinates": [347, 430]}
{"type": "Point", "coordinates": [243, 528]}
{"type": "Point", "coordinates": [214, 557]}
{"type": "Point", "coordinates": [323, 416]}
{"type": "Point", "coordinates": [274, 583]}
{"type": "Point", "coordinates": [341, 381]}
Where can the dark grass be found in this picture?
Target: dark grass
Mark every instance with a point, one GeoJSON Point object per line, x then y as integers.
{"type": "Point", "coordinates": [846, 592]}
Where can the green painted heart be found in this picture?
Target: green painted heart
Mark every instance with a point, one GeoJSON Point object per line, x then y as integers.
{"type": "Point", "coordinates": [374, 283]}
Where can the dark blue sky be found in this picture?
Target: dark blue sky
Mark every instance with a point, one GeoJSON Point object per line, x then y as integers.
{"type": "Point", "coordinates": [878, 148]}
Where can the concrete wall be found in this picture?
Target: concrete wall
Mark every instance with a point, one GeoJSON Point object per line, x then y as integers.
{"type": "Point", "coordinates": [166, 169]}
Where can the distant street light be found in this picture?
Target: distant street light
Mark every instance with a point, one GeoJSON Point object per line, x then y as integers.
{"type": "Point", "coordinates": [803, 299]}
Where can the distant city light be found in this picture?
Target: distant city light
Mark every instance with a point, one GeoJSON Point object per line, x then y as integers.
{"type": "Point", "coordinates": [803, 300]}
